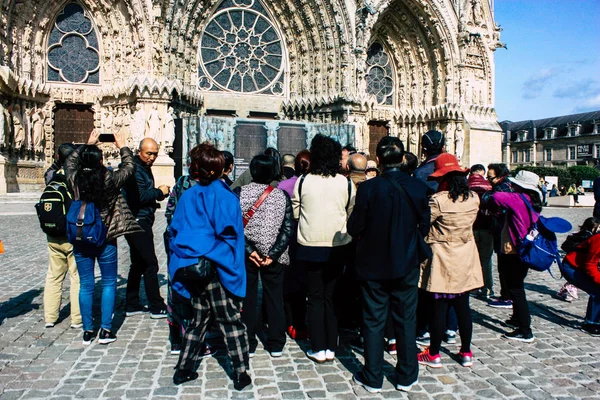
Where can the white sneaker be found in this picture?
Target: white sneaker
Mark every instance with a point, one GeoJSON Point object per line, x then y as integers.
{"type": "Point", "coordinates": [49, 325]}
{"type": "Point", "coordinates": [329, 355]}
{"type": "Point", "coordinates": [276, 354]}
{"type": "Point", "coordinates": [406, 388]}
{"type": "Point", "coordinates": [76, 326]}
{"type": "Point", "coordinates": [317, 356]}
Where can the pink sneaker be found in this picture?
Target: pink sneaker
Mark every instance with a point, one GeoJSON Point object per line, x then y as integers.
{"type": "Point", "coordinates": [572, 290]}
{"type": "Point", "coordinates": [431, 361]}
{"type": "Point", "coordinates": [466, 359]}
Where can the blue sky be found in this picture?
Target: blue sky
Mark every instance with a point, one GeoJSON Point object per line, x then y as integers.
{"type": "Point", "coordinates": [552, 65]}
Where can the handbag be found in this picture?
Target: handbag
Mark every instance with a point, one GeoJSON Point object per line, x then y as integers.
{"type": "Point", "coordinates": [248, 214]}
{"type": "Point", "coordinates": [423, 249]}
{"type": "Point", "coordinates": [196, 277]}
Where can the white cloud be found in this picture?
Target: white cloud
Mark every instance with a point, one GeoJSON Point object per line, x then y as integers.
{"type": "Point", "coordinates": [590, 104]}
{"type": "Point", "coordinates": [532, 88]}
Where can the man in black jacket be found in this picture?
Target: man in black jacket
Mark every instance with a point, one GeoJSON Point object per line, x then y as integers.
{"type": "Point", "coordinates": [142, 198]}
{"type": "Point", "coordinates": [389, 230]}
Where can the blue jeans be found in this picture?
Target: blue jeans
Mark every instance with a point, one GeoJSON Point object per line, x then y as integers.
{"type": "Point", "coordinates": [107, 260]}
{"type": "Point", "coordinates": [584, 282]}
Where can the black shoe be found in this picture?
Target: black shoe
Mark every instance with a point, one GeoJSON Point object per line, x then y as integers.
{"type": "Point", "coordinates": [185, 375]}
{"type": "Point", "coordinates": [517, 334]}
{"type": "Point", "coordinates": [592, 329]}
{"type": "Point", "coordinates": [88, 336]}
{"type": "Point", "coordinates": [159, 314]}
{"type": "Point", "coordinates": [132, 311]}
{"type": "Point", "coordinates": [105, 337]}
{"type": "Point", "coordinates": [242, 380]}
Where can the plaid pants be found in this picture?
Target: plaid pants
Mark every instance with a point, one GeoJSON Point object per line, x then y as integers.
{"type": "Point", "coordinates": [217, 305]}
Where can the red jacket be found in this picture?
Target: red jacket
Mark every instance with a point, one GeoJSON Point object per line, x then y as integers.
{"type": "Point", "coordinates": [587, 258]}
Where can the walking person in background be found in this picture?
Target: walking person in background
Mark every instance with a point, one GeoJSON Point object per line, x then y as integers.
{"type": "Point", "coordinates": [142, 198]}
{"type": "Point", "coordinates": [322, 202]}
{"type": "Point", "coordinates": [208, 224]}
{"type": "Point", "coordinates": [482, 230]}
{"type": "Point", "coordinates": [498, 177]}
{"type": "Point", "coordinates": [389, 221]}
{"type": "Point", "coordinates": [60, 253]}
{"type": "Point", "coordinates": [92, 182]}
{"type": "Point", "coordinates": [268, 230]}
{"type": "Point", "coordinates": [517, 221]}
{"type": "Point", "coordinates": [454, 268]}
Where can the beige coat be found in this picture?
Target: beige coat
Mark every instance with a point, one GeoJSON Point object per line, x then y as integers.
{"type": "Point", "coordinates": [454, 267]}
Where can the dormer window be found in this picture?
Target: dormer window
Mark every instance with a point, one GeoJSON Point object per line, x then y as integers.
{"type": "Point", "coordinates": [549, 133]}
{"type": "Point", "coordinates": [596, 127]}
{"type": "Point", "coordinates": [574, 130]}
{"type": "Point", "coordinates": [521, 136]}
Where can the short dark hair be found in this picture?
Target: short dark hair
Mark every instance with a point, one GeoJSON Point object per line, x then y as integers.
{"type": "Point", "coordinates": [270, 151]}
{"type": "Point", "coordinates": [325, 156]}
{"type": "Point", "coordinates": [349, 148]}
{"type": "Point", "coordinates": [410, 163]}
{"type": "Point", "coordinates": [302, 162]}
{"type": "Point", "coordinates": [477, 168]}
{"type": "Point", "coordinates": [64, 151]}
{"type": "Point", "coordinates": [390, 151]}
{"type": "Point", "coordinates": [206, 163]}
{"type": "Point", "coordinates": [262, 169]}
{"type": "Point", "coordinates": [500, 169]}
{"type": "Point", "coordinates": [228, 160]}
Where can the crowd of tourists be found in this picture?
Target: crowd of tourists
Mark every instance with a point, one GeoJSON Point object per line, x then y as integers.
{"type": "Point", "coordinates": [330, 240]}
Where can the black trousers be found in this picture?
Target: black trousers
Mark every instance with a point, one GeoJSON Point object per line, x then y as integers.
{"type": "Point", "coordinates": [515, 273]}
{"type": "Point", "coordinates": [294, 305]}
{"type": "Point", "coordinates": [143, 263]}
{"type": "Point", "coordinates": [399, 296]}
{"type": "Point", "coordinates": [323, 326]}
{"type": "Point", "coordinates": [504, 264]}
{"type": "Point", "coordinates": [438, 322]}
{"type": "Point", "coordinates": [272, 297]}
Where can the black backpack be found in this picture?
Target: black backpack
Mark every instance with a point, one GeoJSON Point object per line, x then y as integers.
{"type": "Point", "coordinates": [53, 207]}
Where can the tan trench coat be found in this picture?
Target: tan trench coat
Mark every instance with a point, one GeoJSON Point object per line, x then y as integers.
{"type": "Point", "coordinates": [454, 267]}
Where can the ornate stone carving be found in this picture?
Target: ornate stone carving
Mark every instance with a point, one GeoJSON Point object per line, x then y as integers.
{"type": "Point", "coordinates": [153, 124]}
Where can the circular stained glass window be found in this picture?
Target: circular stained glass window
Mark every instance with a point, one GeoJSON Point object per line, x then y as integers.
{"type": "Point", "coordinates": [241, 51]}
{"type": "Point", "coordinates": [379, 75]}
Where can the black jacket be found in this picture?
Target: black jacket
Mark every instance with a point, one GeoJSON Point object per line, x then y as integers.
{"type": "Point", "coordinates": [140, 193]}
{"type": "Point", "coordinates": [113, 208]}
{"type": "Point", "coordinates": [385, 226]}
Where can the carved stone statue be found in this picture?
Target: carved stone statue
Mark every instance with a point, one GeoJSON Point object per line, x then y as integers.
{"type": "Point", "coordinates": [37, 123]}
{"type": "Point", "coordinates": [153, 124]}
{"type": "Point", "coordinates": [2, 126]}
{"type": "Point", "coordinates": [477, 12]}
{"type": "Point", "coordinates": [459, 142]}
{"type": "Point", "coordinates": [169, 132]}
{"type": "Point", "coordinates": [138, 124]}
{"type": "Point", "coordinates": [108, 121]}
{"type": "Point", "coordinates": [18, 127]}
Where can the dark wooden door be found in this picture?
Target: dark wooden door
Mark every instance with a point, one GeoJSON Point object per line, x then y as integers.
{"type": "Point", "coordinates": [291, 139]}
{"type": "Point", "coordinates": [377, 131]}
{"type": "Point", "coordinates": [73, 123]}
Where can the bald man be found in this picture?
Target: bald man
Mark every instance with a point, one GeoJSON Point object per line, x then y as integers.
{"type": "Point", "coordinates": [357, 164]}
{"type": "Point", "coordinates": [142, 198]}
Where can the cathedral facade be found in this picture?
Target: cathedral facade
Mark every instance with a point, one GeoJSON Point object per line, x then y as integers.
{"type": "Point", "coordinates": [244, 74]}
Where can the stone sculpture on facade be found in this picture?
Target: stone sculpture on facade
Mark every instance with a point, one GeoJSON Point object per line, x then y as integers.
{"type": "Point", "coordinates": [168, 137]}
{"type": "Point", "coordinates": [153, 124]}
{"type": "Point", "coordinates": [138, 124]}
{"type": "Point", "coordinates": [2, 125]}
{"type": "Point", "coordinates": [459, 142]}
{"type": "Point", "coordinates": [37, 123]}
{"type": "Point", "coordinates": [18, 128]}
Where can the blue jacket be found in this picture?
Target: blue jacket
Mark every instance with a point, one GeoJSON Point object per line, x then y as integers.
{"type": "Point", "coordinates": [208, 222]}
{"type": "Point", "coordinates": [425, 169]}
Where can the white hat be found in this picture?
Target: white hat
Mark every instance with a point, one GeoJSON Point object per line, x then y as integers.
{"type": "Point", "coordinates": [527, 180]}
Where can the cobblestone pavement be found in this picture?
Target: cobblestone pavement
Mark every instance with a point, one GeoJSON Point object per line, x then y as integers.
{"type": "Point", "coordinates": [52, 363]}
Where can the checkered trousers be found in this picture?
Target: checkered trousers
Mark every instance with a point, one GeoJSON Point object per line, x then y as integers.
{"type": "Point", "coordinates": [217, 305]}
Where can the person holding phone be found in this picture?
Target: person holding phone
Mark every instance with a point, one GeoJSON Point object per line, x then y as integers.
{"type": "Point", "coordinates": [142, 197]}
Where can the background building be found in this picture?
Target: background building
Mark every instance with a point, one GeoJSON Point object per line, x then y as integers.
{"type": "Point", "coordinates": [558, 141]}
{"type": "Point", "coordinates": [244, 74]}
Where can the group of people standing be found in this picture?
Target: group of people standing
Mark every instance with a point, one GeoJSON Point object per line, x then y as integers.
{"type": "Point", "coordinates": [395, 250]}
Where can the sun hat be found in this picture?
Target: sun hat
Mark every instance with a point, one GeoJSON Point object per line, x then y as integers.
{"type": "Point", "coordinates": [527, 180]}
{"type": "Point", "coordinates": [444, 164]}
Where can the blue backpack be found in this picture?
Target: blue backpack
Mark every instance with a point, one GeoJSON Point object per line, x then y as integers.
{"type": "Point", "coordinates": [84, 224]}
{"type": "Point", "coordinates": [538, 250]}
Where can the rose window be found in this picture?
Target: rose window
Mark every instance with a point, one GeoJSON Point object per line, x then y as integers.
{"type": "Point", "coordinates": [241, 51]}
{"type": "Point", "coordinates": [379, 75]}
{"type": "Point", "coordinates": [73, 48]}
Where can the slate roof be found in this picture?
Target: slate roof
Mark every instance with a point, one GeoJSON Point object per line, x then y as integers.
{"type": "Point", "coordinates": [561, 123]}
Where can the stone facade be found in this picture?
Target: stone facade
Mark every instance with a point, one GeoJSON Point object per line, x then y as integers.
{"type": "Point", "coordinates": [557, 141]}
{"type": "Point", "coordinates": [144, 67]}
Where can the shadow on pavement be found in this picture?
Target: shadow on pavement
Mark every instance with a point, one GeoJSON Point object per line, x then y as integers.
{"type": "Point", "coordinates": [19, 305]}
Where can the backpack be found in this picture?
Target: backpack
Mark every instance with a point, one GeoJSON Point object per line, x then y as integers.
{"type": "Point", "coordinates": [84, 224]}
{"type": "Point", "coordinates": [53, 207]}
{"type": "Point", "coordinates": [538, 250]}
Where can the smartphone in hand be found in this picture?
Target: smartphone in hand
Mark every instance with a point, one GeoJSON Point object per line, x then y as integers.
{"type": "Point", "coordinates": [106, 137]}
